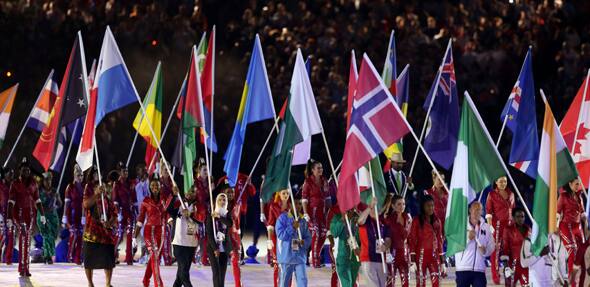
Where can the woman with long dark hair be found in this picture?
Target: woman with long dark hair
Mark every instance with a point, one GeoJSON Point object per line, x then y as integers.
{"type": "Point", "coordinates": [315, 194]}
{"type": "Point", "coordinates": [570, 210]}
{"type": "Point", "coordinates": [399, 224]}
{"type": "Point", "coordinates": [426, 252]}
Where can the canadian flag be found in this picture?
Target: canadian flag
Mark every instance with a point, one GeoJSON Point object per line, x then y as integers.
{"type": "Point", "coordinates": [576, 125]}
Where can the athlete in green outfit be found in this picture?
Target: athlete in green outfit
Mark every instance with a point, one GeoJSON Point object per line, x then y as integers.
{"type": "Point", "coordinates": [347, 263]}
{"type": "Point", "coordinates": [51, 202]}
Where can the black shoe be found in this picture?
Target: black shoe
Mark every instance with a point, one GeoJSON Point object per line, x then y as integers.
{"type": "Point", "coordinates": [49, 261]}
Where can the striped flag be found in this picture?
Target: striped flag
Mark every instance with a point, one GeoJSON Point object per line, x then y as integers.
{"type": "Point", "coordinates": [208, 91]}
{"type": "Point", "coordinates": [6, 103]}
{"type": "Point", "coordinates": [40, 113]}
{"type": "Point", "coordinates": [555, 169]}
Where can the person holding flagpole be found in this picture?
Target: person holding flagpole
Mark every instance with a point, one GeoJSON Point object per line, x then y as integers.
{"type": "Point", "coordinates": [125, 199]}
{"type": "Point", "coordinates": [276, 207]}
{"type": "Point", "coordinates": [201, 187]}
{"type": "Point", "coordinates": [571, 218]}
{"type": "Point", "coordinates": [314, 197]}
{"type": "Point", "coordinates": [73, 215]}
{"type": "Point", "coordinates": [372, 246]}
{"type": "Point", "coordinates": [347, 264]}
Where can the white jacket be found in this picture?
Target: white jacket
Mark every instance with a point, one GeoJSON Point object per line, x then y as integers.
{"type": "Point", "coordinates": [545, 271]}
{"type": "Point", "coordinates": [472, 258]}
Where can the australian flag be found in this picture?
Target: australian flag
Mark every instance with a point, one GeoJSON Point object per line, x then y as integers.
{"type": "Point", "coordinates": [520, 116]}
{"type": "Point", "coordinates": [443, 121]}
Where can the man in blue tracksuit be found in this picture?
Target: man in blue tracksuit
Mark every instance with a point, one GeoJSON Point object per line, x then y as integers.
{"type": "Point", "coordinates": [291, 251]}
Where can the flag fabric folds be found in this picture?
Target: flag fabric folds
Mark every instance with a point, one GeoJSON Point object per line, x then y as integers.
{"type": "Point", "coordinates": [208, 87]}
{"type": "Point", "coordinates": [477, 165]}
{"type": "Point", "coordinates": [70, 105]}
{"type": "Point", "coordinates": [6, 103]}
{"type": "Point", "coordinates": [40, 114]}
{"type": "Point", "coordinates": [256, 105]}
{"type": "Point", "coordinates": [521, 119]}
{"type": "Point", "coordinates": [443, 122]}
{"type": "Point", "coordinates": [576, 125]}
{"type": "Point", "coordinates": [376, 122]}
{"type": "Point", "coordinates": [403, 96]}
{"type": "Point", "coordinates": [153, 116]}
{"type": "Point", "coordinates": [555, 169]}
{"type": "Point", "coordinates": [73, 131]}
{"type": "Point", "coordinates": [302, 150]}
{"type": "Point", "coordinates": [301, 121]}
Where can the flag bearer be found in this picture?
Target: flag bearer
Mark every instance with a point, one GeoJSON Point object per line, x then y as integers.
{"type": "Point", "coordinates": [499, 206]}
{"type": "Point", "coordinates": [347, 263]}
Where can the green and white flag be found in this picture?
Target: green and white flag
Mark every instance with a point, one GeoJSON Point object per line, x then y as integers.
{"type": "Point", "coordinates": [477, 164]}
{"type": "Point", "coordinates": [555, 169]}
{"type": "Point", "coordinates": [301, 121]}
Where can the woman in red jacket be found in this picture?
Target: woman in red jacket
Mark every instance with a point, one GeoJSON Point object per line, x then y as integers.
{"type": "Point", "coordinates": [152, 214]}
{"type": "Point", "coordinates": [399, 224]}
{"type": "Point", "coordinates": [315, 194]}
{"type": "Point", "coordinates": [499, 207]}
{"type": "Point", "coordinates": [203, 205]}
{"type": "Point", "coordinates": [570, 216]}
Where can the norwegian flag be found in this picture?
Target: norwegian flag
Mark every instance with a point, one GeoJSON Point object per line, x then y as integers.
{"type": "Point", "coordinates": [376, 122]}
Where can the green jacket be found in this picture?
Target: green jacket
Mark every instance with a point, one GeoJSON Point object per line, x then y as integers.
{"type": "Point", "coordinates": [340, 231]}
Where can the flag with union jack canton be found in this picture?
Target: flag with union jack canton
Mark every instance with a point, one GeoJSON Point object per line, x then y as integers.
{"type": "Point", "coordinates": [520, 116]}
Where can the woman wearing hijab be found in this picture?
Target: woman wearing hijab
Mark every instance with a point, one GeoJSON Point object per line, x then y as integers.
{"type": "Point", "coordinates": [218, 239]}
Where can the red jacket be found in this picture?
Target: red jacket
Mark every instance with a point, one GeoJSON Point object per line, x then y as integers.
{"type": "Point", "coordinates": [152, 212]}
{"type": "Point", "coordinates": [570, 207]}
{"type": "Point", "coordinates": [440, 203]}
{"type": "Point", "coordinates": [24, 195]}
{"type": "Point", "coordinates": [249, 190]}
{"type": "Point", "coordinates": [315, 194]}
{"type": "Point", "coordinates": [512, 242]}
{"type": "Point", "coordinates": [166, 189]}
{"type": "Point", "coordinates": [398, 232]}
{"type": "Point", "coordinates": [500, 208]}
{"type": "Point", "coordinates": [427, 237]}
{"type": "Point", "coordinates": [3, 198]}
{"type": "Point", "coordinates": [274, 211]}
{"type": "Point", "coordinates": [75, 195]}
{"type": "Point", "coordinates": [202, 201]}
{"type": "Point", "coordinates": [124, 196]}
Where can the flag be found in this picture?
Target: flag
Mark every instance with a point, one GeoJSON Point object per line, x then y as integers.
{"type": "Point", "coordinates": [302, 150]}
{"type": "Point", "coordinates": [92, 74]}
{"type": "Point", "coordinates": [520, 115]}
{"type": "Point", "coordinates": [378, 183]}
{"type": "Point", "coordinates": [301, 121]}
{"type": "Point", "coordinates": [201, 55]}
{"type": "Point", "coordinates": [576, 124]}
{"type": "Point", "coordinates": [70, 105]}
{"type": "Point", "coordinates": [72, 131]}
{"type": "Point", "coordinates": [208, 88]}
{"type": "Point", "coordinates": [443, 122]}
{"type": "Point", "coordinates": [153, 116]}
{"type": "Point", "coordinates": [113, 83]}
{"type": "Point", "coordinates": [256, 105]}
{"type": "Point", "coordinates": [403, 96]}
{"type": "Point", "coordinates": [555, 169]}
{"type": "Point", "coordinates": [40, 113]}
{"type": "Point", "coordinates": [477, 165]}
{"type": "Point", "coordinates": [177, 160]}
{"type": "Point", "coordinates": [375, 123]}
{"type": "Point", "coordinates": [6, 103]}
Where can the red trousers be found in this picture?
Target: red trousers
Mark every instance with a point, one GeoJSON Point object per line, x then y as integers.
{"type": "Point", "coordinates": [520, 275]}
{"type": "Point", "coordinates": [494, 258]}
{"type": "Point", "coordinates": [571, 235]}
{"type": "Point", "coordinates": [202, 237]}
{"type": "Point", "coordinates": [427, 263]}
{"type": "Point", "coordinates": [317, 226]}
{"type": "Point", "coordinates": [167, 246]}
{"type": "Point", "coordinates": [235, 257]}
{"type": "Point", "coordinates": [9, 245]}
{"type": "Point", "coordinates": [400, 265]}
{"type": "Point", "coordinates": [334, 277]}
{"type": "Point", "coordinates": [153, 241]}
{"type": "Point", "coordinates": [24, 237]}
{"type": "Point", "coordinates": [75, 244]}
{"type": "Point", "coordinates": [127, 231]}
{"type": "Point", "coordinates": [274, 263]}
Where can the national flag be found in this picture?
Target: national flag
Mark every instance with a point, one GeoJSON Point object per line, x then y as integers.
{"type": "Point", "coordinates": [378, 183]}
{"type": "Point", "coordinates": [302, 150]}
{"type": "Point", "coordinates": [40, 113]}
{"type": "Point", "coordinates": [256, 105]}
{"type": "Point", "coordinates": [153, 116]}
{"type": "Point", "coordinates": [443, 122]}
{"type": "Point", "coordinates": [73, 131]}
{"type": "Point", "coordinates": [208, 88]}
{"type": "Point", "coordinates": [521, 119]}
{"type": "Point", "coordinates": [555, 169]}
{"type": "Point", "coordinates": [92, 74]}
{"type": "Point", "coordinates": [201, 55]}
{"type": "Point", "coordinates": [576, 124]}
{"type": "Point", "coordinates": [301, 121]}
{"type": "Point", "coordinates": [477, 165]}
{"type": "Point", "coordinates": [375, 123]}
{"type": "Point", "coordinates": [6, 103]}
{"type": "Point", "coordinates": [70, 105]}
{"type": "Point", "coordinates": [403, 96]}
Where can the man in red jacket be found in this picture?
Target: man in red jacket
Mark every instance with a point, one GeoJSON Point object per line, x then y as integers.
{"type": "Point", "coordinates": [514, 236]}
{"type": "Point", "coordinates": [73, 215]}
{"type": "Point", "coordinates": [126, 202]}
{"type": "Point", "coordinates": [23, 202]}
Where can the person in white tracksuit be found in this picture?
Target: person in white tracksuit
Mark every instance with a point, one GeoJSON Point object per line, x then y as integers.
{"type": "Point", "coordinates": [549, 269]}
{"type": "Point", "coordinates": [471, 262]}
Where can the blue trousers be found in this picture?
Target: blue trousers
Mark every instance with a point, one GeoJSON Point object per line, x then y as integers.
{"type": "Point", "coordinates": [470, 278]}
{"type": "Point", "coordinates": [287, 273]}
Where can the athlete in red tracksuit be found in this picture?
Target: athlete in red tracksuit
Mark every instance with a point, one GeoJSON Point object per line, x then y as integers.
{"type": "Point", "coordinates": [275, 209]}
{"type": "Point", "coordinates": [234, 208]}
{"type": "Point", "coordinates": [514, 236]}
{"type": "Point", "coordinates": [440, 196]}
{"type": "Point", "coordinates": [399, 224]}
{"type": "Point", "coordinates": [426, 250]}
{"type": "Point", "coordinates": [166, 192]}
{"type": "Point", "coordinates": [125, 200]}
{"type": "Point", "coordinates": [570, 210]}
{"type": "Point", "coordinates": [203, 204]}
{"type": "Point", "coordinates": [6, 234]}
{"type": "Point", "coordinates": [152, 217]}
{"type": "Point", "coordinates": [72, 218]}
{"type": "Point", "coordinates": [314, 196]}
{"type": "Point", "coordinates": [23, 197]}
{"type": "Point", "coordinates": [499, 207]}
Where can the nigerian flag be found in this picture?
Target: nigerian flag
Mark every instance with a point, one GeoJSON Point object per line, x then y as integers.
{"type": "Point", "coordinates": [301, 121]}
{"type": "Point", "coordinates": [477, 164]}
{"type": "Point", "coordinates": [555, 169]}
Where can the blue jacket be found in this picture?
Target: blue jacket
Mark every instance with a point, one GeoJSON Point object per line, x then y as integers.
{"type": "Point", "coordinates": [285, 233]}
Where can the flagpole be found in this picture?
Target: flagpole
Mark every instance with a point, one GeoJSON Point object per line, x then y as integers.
{"type": "Point", "coordinates": [104, 212]}
{"type": "Point", "coordinates": [502, 130]}
{"type": "Point", "coordinates": [295, 215]}
{"type": "Point", "coordinates": [209, 185]}
{"type": "Point", "coordinates": [28, 118]}
{"type": "Point", "coordinates": [376, 217]}
{"type": "Point", "coordinates": [61, 175]}
{"type": "Point", "coordinates": [133, 144]}
{"type": "Point", "coordinates": [210, 136]}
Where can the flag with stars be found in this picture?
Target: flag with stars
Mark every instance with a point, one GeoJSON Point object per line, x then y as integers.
{"type": "Point", "coordinates": [70, 105]}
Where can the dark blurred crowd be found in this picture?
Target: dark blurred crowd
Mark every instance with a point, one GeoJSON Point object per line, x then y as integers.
{"type": "Point", "coordinates": [490, 39]}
